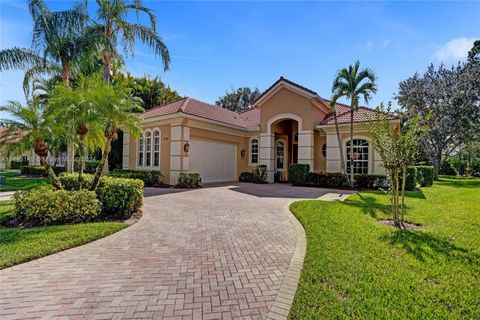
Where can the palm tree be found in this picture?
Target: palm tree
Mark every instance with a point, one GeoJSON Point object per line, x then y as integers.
{"type": "Point", "coordinates": [58, 43]}
{"type": "Point", "coordinates": [342, 156]}
{"type": "Point", "coordinates": [353, 84]}
{"type": "Point", "coordinates": [28, 128]}
{"type": "Point", "coordinates": [111, 22]}
{"type": "Point", "coordinates": [119, 109]}
{"type": "Point", "coordinates": [77, 110]}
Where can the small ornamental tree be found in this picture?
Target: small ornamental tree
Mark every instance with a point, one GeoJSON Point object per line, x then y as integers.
{"type": "Point", "coordinates": [397, 146]}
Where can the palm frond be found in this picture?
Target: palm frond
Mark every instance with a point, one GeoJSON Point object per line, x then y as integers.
{"type": "Point", "coordinates": [18, 58]}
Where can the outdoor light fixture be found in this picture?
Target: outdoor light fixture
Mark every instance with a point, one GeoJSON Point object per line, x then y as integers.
{"type": "Point", "coordinates": [186, 147]}
{"type": "Point", "coordinates": [242, 153]}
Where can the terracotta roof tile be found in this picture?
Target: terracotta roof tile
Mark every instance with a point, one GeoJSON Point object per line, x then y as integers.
{"type": "Point", "coordinates": [363, 114]}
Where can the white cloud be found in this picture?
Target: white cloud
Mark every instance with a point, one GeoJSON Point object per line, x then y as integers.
{"type": "Point", "coordinates": [454, 50]}
{"type": "Point", "coordinates": [386, 43]}
{"type": "Point", "coordinates": [370, 44]}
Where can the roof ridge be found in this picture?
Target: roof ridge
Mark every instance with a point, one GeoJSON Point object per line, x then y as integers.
{"type": "Point", "coordinates": [216, 107]}
{"type": "Point", "coordinates": [164, 105]}
{"type": "Point", "coordinates": [184, 104]}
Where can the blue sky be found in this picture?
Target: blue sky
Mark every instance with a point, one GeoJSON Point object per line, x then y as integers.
{"type": "Point", "coordinates": [216, 46]}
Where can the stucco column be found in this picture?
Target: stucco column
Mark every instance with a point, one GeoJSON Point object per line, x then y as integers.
{"type": "Point", "coordinates": [179, 135]}
{"type": "Point", "coordinates": [305, 147]}
{"type": "Point", "coordinates": [126, 151]}
{"type": "Point", "coordinates": [333, 153]}
{"type": "Point", "coordinates": [267, 154]}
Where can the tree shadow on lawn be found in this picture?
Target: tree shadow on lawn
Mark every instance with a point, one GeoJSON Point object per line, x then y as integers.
{"type": "Point", "coordinates": [470, 183]}
{"type": "Point", "coordinates": [425, 246]}
{"type": "Point", "coordinates": [369, 205]}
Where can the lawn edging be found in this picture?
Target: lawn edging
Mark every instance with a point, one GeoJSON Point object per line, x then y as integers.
{"type": "Point", "coordinates": [284, 299]}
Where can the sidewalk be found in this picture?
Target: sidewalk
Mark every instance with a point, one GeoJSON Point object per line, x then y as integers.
{"type": "Point", "coordinates": [6, 195]}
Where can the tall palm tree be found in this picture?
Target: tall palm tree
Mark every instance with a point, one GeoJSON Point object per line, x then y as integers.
{"type": "Point", "coordinates": [58, 42]}
{"type": "Point", "coordinates": [353, 84]}
{"type": "Point", "coordinates": [111, 22]}
{"type": "Point", "coordinates": [29, 128]}
{"type": "Point", "coordinates": [339, 139]}
{"type": "Point", "coordinates": [77, 110]}
{"type": "Point", "coordinates": [119, 109]}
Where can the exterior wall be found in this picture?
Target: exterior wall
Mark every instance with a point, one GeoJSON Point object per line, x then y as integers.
{"type": "Point", "coordinates": [320, 162]}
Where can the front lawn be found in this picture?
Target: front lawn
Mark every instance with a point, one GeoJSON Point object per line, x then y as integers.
{"type": "Point", "coordinates": [357, 268]}
{"type": "Point", "coordinates": [13, 182]}
{"type": "Point", "coordinates": [21, 245]}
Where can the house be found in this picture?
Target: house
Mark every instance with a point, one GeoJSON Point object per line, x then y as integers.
{"type": "Point", "coordinates": [287, 124]}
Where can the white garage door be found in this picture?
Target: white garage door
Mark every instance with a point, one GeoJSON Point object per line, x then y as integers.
{"type": "Point", "coordinates": [214, 160]}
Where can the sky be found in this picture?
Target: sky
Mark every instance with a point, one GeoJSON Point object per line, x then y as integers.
{"type": "Point", "coordinates": [216, 46]}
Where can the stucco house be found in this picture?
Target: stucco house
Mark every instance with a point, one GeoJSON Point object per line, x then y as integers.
{"type": "Point", "coordinates": [287, 124]}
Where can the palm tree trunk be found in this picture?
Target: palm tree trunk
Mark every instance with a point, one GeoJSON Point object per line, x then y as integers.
{"type": "Point", "coordinates": [81, 161]}
{"type": "Point", "coordinates": [101, 165]}
{"type": "Point", "coordinates": [342, 156]}
{"type": "Point", "coordinates": [65, 74]}
{"type": "Point", "coordinates": [107, 66]}
{"type": "Point", "coordinates": [51, 174]}
{"type": "Point", "coordinates": [351, 146]}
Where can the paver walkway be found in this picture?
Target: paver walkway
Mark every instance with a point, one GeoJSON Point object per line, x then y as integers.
{"type": "Point", "coordinates": [211, 253]}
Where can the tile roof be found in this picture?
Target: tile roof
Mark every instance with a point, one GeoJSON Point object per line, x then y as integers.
{"type": "Point", "coordinates": [251, 117]}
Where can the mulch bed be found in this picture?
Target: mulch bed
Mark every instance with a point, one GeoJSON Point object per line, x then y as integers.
{"type": "Point", "coordinates": [407, 225]}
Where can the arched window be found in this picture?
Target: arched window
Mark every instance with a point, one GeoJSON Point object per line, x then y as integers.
{"type": "Point", "coordinates": [360, 156]}
{"type": "Point", "coordinates": [148, 149]}
{"type": "Point", "coordinates": [280, 155]}
{"type": "Point", "coordinates": [324, 150]}
{"type": "Point", "coordinates": [254, 151]}
{"type": "Point", "coordinates": [140, 151]}
{"type": "Point", "coordinates": [156, 148]}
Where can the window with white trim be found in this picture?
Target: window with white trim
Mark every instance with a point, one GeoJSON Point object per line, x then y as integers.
{"type": "Point", "coordinates": [254, 151]}
{"type": "Point", "coordinates": [148, 149]}
{"type": "Point", "coordinates": [360, 156]}
{"type": "Point", "coordinates": [156, 148]}
{"type": "Point", "coordinates": [280, 158]}
{"type": "Point", "coordinates": [140, 151]}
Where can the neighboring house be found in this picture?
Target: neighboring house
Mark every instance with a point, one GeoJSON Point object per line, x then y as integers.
{"type": "Point", "coordinates": [287, 124]}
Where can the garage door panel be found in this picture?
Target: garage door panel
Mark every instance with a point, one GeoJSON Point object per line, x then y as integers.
{"type": "Point", "coordinates": [214, 160]}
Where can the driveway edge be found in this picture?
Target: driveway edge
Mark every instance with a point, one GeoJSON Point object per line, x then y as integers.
{"type": "Point", "coordinates": [283, 302]}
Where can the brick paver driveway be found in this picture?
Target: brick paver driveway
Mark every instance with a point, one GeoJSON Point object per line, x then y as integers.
{"type": "Point", "coordinates": [210, 253]}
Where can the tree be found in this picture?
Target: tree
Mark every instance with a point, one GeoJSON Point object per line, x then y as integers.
{"type": "Point", "coordinates": [111, 22]}
{"type": "Point", "coordinates": [153, 92]}
{"type": "Point", "coordinates": [238, 100]}
{"type": "Point", "coordinates": [29, 127]}
{"type": "Point", "coordinates": [119, 109]}
{"type": "Point", "coordinates": [78, 115]}
{"type": "Point", "coordinates": [474, 53]}
{"type": "Point", "coordinates": [447, 100]}
{"type": "Point", "coordinates": [397, 146]}
{"type": "Point", "coordinates": [353, 84]}
{"type": "Point", "coordinates": [58, 42]}
{"type": "Point", "coordinates": [339, 139]}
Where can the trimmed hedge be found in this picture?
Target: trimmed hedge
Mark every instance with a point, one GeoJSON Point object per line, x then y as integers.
{"type": "Point", "coordinates": [47, 206]}
{"type": "Point", "coordinates": [370, 181]}
{"type": "Point", "coordinates": [297, 173]}
{"type": "Point", "coordinates": [189, 180]}
{"type": "Point", "coordinates": [90, 166]}
{"type": "Point", "coordinates": [447, 168]}
{"type": "Point", "coordinates": [425, 175]}
{"type": "Point", "coordinates": [326, 180]}
{"type": "Point", "coordinates": [258, 175]}
{"type": "Point", "coordinates": [119, 197]}
{"type": "Point", "coordinates": [411, 181]}
{"type": "Point", "coordinates": [17, 164]}
{"type": "Point", "coordinates": [151, 178]}
{"type": "Point", "coordinates": [39, 170]}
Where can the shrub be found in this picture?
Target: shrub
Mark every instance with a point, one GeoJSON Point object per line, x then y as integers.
{"type": "Point", "coordinates": [119, 197]}
{"type": "Point", "coordinates": [90, 166]}
{"type": "Point", "coordinates": [326, 180]}
{"type": "Point", "coordinates": [425, 175]}
{"type": "Point", "coordinates": [258, 175]}
{"type": "Point", "coordinates": [297, 173]}
{"type": "Point", "coordinates": [447, 168]}
{"type": "Point", "coordinates": [39, 170]}
{"type": "Point", "coordinates": [150, 178]}
{"type": "Point", "coordinates": [189, 180]}
{"type": "Point", "coordinates": [17, 164]}
{"type": "Point", "coordinates": [474, 168]}
{"type": "Point", "coordinates": [411, 181]}
{"type": "Point", "coordinates": [370, 181]}
{"type": "Point", "coordinates": [46, 206]}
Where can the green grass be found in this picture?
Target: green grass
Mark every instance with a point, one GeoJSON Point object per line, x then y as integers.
{"type": "Point", "coordinates": [356, 268]}
{"type": "Point", "coordinates": [21, 245]}
{"type": "Point", "coordinates": [13, 182]}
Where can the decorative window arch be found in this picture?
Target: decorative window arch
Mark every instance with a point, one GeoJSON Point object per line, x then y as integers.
{"type": "Point", "coordinates": [254, 151]}
{"type": "Point", "coordinates": [280, 151]}
{"type": "Point", "coordinates": [141, 147]}
{"type": "Point", "coordinates": [148, 148]}
{"type": "Point", "coordinates": [156, 148]}
{"type": "Point", "coordinates": [361, 155]}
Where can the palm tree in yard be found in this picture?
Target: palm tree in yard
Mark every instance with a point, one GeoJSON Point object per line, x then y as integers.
{"type": "Point", "coordinates": [353, 84]}
{"type": "Point", "coordinates": [342, 156]}
{"type": "Point", "coordinates": [111, 22]}
{"type": "Point", "coordinates": [119, 109]}
{"type": "Point", "coordinates": [58, 43]}
{"type": "Point", "coordinates": [29, 127]}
